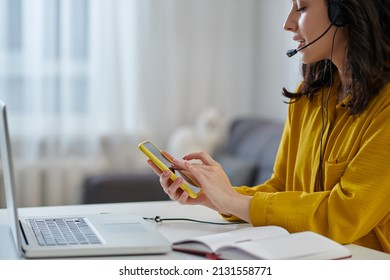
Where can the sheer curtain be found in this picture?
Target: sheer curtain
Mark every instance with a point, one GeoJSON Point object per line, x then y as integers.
{"type": "Point", "coordinates": [63, 74]}
{"type": "Point", "coordinates": [86, 80]}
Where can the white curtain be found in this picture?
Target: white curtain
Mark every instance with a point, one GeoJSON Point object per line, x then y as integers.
{"type": "Point", "coordinates": [89, 79]}
{"type": "Point", "coordinates": [62, 74]}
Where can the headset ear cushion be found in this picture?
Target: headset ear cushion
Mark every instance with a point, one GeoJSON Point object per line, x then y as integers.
{"type": "Point", "coordinates": [336, 14]}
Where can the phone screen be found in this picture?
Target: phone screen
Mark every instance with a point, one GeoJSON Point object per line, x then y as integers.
{"type": "Point", "coordinates": [157, 153]}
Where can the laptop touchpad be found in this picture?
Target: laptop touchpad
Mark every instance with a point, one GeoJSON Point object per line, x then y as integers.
{"type": "Point", "coordinates": [124, 228]}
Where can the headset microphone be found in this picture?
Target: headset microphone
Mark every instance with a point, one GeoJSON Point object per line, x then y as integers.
{"type": "Point", "coordinates": [292, 52]}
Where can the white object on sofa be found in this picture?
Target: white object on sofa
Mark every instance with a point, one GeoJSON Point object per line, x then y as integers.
{"type": "Point", "coordinates": [206, 134]}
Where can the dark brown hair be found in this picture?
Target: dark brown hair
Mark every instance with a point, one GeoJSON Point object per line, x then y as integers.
{"type": "Point", "coordinates": [368, 55]}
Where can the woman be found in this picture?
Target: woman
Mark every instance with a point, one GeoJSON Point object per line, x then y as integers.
{"type": "Point", "coordinates": [331, 172]}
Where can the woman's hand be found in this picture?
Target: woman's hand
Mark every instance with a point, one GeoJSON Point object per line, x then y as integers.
{"type": "Point", "coordinates": [216, 190]}
{"type": "Point", "coordinates": [215, 184]}
{"type": "Point", "coordinates": [175, 192]}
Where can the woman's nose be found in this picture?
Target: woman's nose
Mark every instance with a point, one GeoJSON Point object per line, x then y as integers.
{"type": "Point", "coordinates": [290, 22]}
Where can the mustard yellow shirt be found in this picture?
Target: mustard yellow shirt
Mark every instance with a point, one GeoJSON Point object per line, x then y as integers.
{"type": "Point", "coordinates": [355, 205]}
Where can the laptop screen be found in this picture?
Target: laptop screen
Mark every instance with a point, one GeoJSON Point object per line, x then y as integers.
{"type": "Point", "coordinates": [8, 175]}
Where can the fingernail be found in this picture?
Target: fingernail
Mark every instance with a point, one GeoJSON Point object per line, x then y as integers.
{"type": "Point", "coordinates": [166, 173]}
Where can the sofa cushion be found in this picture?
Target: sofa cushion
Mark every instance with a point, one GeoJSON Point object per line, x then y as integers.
{"type": "Point", "coordinates": [256, 141]}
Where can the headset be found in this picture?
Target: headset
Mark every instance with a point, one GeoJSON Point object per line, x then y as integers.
{"type": "Point", "coordinates": [337, 13]}
{"type": "Point", "coordinates": [337, 17]}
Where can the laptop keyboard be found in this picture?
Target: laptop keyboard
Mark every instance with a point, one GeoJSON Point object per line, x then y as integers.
{"type": "Point", "coordinates": [69, 231]}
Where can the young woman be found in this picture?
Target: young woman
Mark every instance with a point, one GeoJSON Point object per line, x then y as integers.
{"type": "Point", "coordinates": [331, 173]}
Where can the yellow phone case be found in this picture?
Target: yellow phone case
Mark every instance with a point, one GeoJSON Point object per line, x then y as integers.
{"type": "Point", "coordinates": [163, 167]}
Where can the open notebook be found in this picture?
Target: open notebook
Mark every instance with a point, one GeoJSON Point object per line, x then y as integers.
{"type": "Point", "coordinates": [266, 242]}
{"type": "Point", "coordinates": [71, 236]}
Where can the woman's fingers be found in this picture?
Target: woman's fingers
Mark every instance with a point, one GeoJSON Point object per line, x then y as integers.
{"type": "Point", "coordinates": [154, 167]}
{"type": "Point", "coordinates": [203, 156]}
{"type": "Point", "coordinates": [170, 187]}
{"type": "Point", "coordinates": [167, 155]}
{"type": "Point", "coordinates": [173, 188]}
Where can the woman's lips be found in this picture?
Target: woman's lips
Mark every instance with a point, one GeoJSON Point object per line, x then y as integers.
{"type": "Point", "coordinates": [299, 40]}
{"type": "Point", "coordinates": [301, 44]}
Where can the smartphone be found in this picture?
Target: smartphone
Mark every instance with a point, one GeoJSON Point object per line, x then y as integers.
{"type": "Point", "coordinates": [164, 162]}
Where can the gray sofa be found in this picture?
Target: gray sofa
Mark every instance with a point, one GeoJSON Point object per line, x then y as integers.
{"type": "Point", "coordinates": [247, 156]}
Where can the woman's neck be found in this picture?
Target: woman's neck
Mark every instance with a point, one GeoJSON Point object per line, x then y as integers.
{"type": "Point", "coordinates": [343, 90]}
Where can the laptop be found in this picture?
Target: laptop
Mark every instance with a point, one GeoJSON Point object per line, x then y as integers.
{"type": "Point", "coordinates": [74, 236]}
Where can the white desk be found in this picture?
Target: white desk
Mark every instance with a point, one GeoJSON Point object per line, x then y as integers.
{"type": "Point", "coordinates": [172, 230]}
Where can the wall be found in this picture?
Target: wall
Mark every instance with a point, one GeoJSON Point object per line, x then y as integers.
{"type": "Point", "coordinates": [276, 70]}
